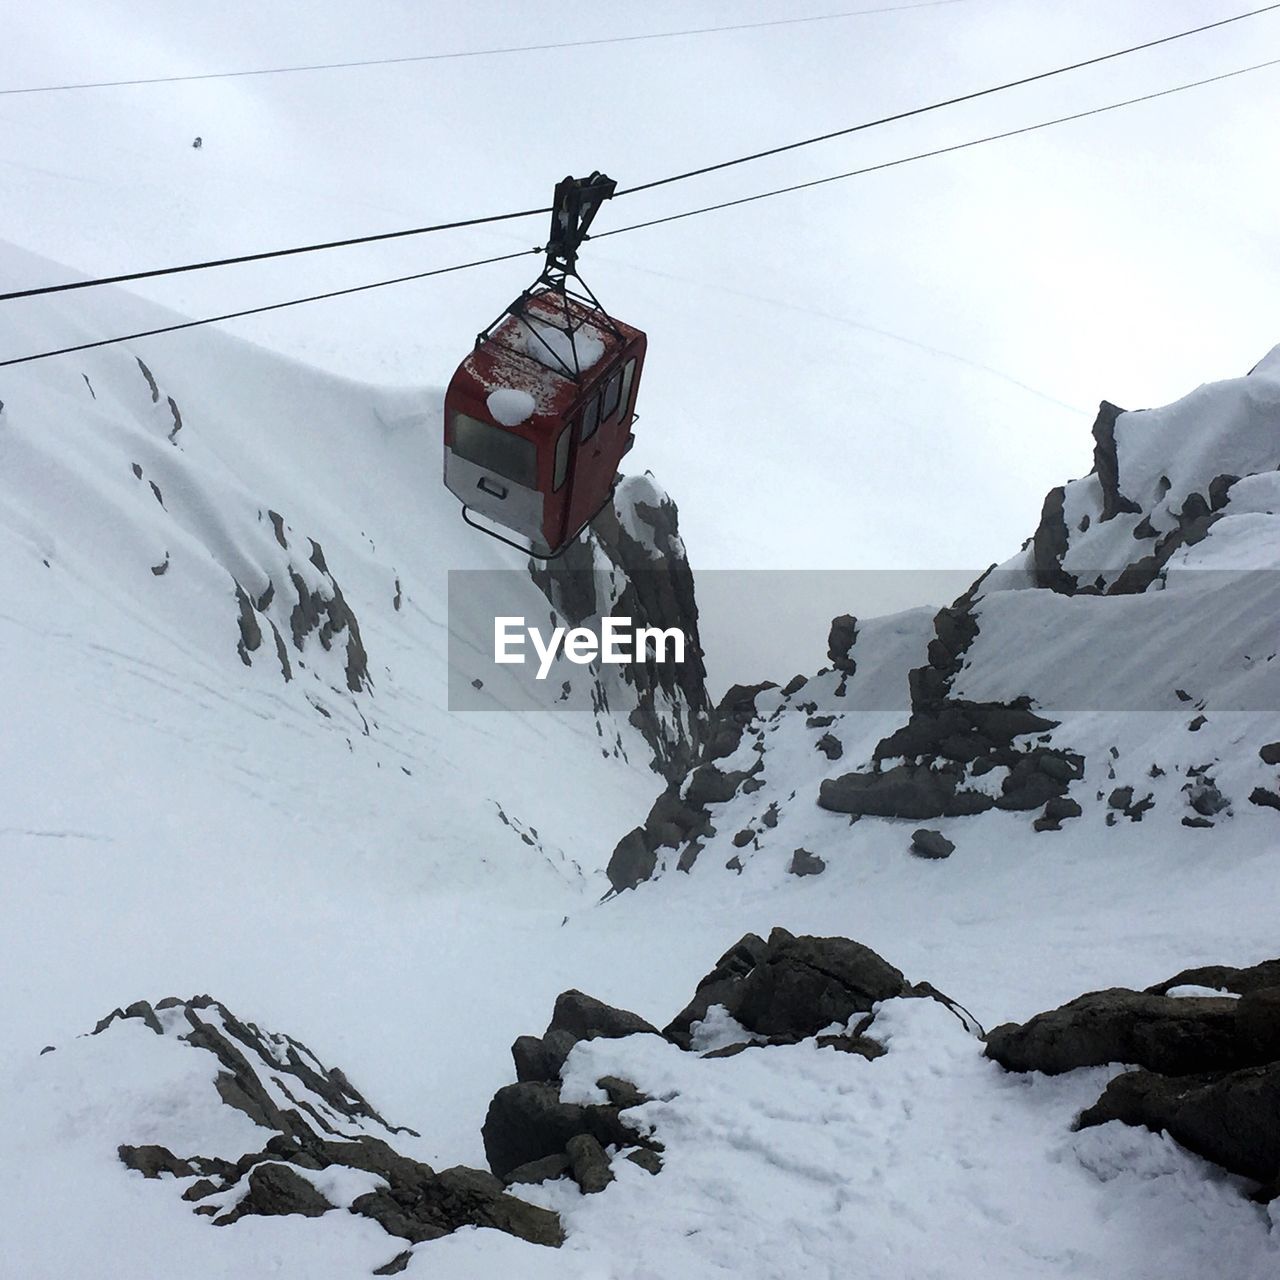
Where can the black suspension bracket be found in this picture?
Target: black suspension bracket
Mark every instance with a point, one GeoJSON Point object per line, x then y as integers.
{"type": "Point", "coordinates": [576, 203]}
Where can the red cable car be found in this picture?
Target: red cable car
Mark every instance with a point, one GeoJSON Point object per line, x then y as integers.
{"type": "Point", "coordinates": [539, 415]}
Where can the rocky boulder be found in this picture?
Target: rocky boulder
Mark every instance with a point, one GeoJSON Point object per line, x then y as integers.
{"type": "Point", "coordinates": [1175, 1036]}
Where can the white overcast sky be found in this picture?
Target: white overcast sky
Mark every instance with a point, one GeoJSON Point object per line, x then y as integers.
{"type": "Point", "coordinates": [883, 373]}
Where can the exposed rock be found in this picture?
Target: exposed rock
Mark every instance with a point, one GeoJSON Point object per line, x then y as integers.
{"type": "Point", "coordinates": [275, 1190]}
{"type": "Point", "coordinates": [325, 1123]}
{"type": "Point", "coordinates": [807, 983]}
{"type": "Point", "coordinates": [1175, 1036]}
{"type": "Point", "coordinates": [545, 1170]}
{"type": "Point", "coordinates": [1106, 464]}
{"type": "Point", "coordinates": [588, 1163]}
{"type": "Point", "coordinates": [527, 1122]}
{"type": "Point", "coordinates": [644, 552]}
{"type": "Point", "coordinates": [633, 861]}
{"type": "Point", "coordinates": [1221, 977]}
{"type": "Point", "coordinates": [730, 718]}
{"type": "Point", "coordinates": [1049, 545]}
{"type": "Point", "coordinates": [1232, 1119]}
{"type": "Point", "coordinates": [585, 1018]}
{"type": "Point", "coordinates": [840, 641]}
{"type": "Point", "coordinates": [905, 791]}
{"type": "Point", "coordinates": [648, 1160]}
{"type": "Point", "coordinates": [830, 746]}
{"type": "Point", "coordinates": [1267, 798]}
{"type": "Point", "coordinates": [1270, 753]}
{"type": "Point", "coordinates": [540, 1058]}
{"type": "Point", "coordinates": [804, 863]}
{"type": "Point", "coordinates": [576, 1017]}
{"type": "Point", "coordinates": [931, 844]}
{"type": "Point", "coordinates": [863, 1046]}
{"type": "Point", "coordinates": [1056, 810]}
{"type": "Point", "coordinates": [718, 987]}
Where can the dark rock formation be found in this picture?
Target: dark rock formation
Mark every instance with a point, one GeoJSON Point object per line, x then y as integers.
{"type": "Point", "coordinates": [840, 641]}
{"type": "Point", "coordinates": [1209, 1068]}
{"type": "Point", "coordinates": [905, 791]}
{"type": "Point", "coordinates": [1231, 1118]}
{"type": "Point", "coordinates": [527, 1122]}
{"type": "Point", "coordinates": [680, 819]}
{"type": "Point", "coordinates": [658, 592]}
{"type": "Point", "coordinates": [804, 863]}
{"type": "Point", "coordinates": [1175, 1036]}
{"type": "Point", "coordinates": [931, 844]}
{"type": "Point", "coordinates": [1106, 464]}
{"type": "Point", "coordinates": [326, 1123]}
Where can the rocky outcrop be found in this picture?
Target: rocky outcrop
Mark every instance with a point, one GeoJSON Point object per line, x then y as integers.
{"type": "Point", "coordinates": [680, 819]}
{"type": "Point", "coordinates": [317, 1121]}
{"type": "Point", "coordinates": [633, 564]}
{"type": "Point", "coordinates": [789, 988]}
{"type": "Point", "coordinates": [1208, 1065]}
{"type": "Point", "coordinates": [1231, 1118]}
{"type": "Point", "coordinates": [530, 1135]}
{"type": "Point", "coordinates": [1175, 1036]}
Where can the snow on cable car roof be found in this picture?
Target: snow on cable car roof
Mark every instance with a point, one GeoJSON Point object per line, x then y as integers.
{"type": "Point", "coordinates": [523, 357]}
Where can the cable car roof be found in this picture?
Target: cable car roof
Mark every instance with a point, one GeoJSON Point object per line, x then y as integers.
{"type": "Point", "coordinates": [532, 350]}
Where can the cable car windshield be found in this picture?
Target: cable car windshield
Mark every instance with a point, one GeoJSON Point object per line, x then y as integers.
{"type": "Point", "coordinates": [497, 450]}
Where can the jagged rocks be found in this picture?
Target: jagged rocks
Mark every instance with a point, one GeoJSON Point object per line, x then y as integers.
{"type": "Point", "coordinates": [840, 641]}
{"type": "Point", "coordinates": [576, 1017]}
{"type": "Point", "coordinates": [1106, 463]}
{"type": "Point", "coordinates": [720, 986]}
{"type": "Point", "coordinates": [636, 542]}
{"type": "Point", "coordinates": [317, 1121]}
{"type": "Point", "coordinates": [730, 718]}
{"type": "Point", "coordinates": [1221, 977]}
{"type": "Point", "coordinates": [1056, 811]}
{"type": "Point", "coordinates": [678, 819]}
{"type": "Point", "coordinates": [804, 984]}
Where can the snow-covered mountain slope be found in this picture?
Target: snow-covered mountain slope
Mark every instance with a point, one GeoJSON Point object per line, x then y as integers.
{"type": "Point", "coordinates": [225, 638]}
{"type": "Point", "coordinates": [1099, 705]}
{"type": "Point", "coordinates": [347, 856]}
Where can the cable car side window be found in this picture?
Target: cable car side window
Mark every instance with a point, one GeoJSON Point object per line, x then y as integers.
{"type": "Point", "coordinates": [628, 376]}
{"type": "Point", "coordinates": [590, 419]}
{"type": "Point", "coordinates": [611, 393]}
{"type": "Point", "coordinates": [494, 449]}
{"type": "Point", "coordinates": [562, 457]}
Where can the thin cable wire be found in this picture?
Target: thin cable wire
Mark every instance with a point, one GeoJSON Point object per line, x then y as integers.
{"type": "Point", "coordinates": [939, 151]}
{"type": "Point", "coordinates": [478, 53]}
{"type": "Point", "coordinates": [128, 277]}
{"type": "Point", "coordinates": [653, 222]}
{"type": "Point", "coordinates": [948, 102]}
{"type": "Point", "coordinates": [274, 306]}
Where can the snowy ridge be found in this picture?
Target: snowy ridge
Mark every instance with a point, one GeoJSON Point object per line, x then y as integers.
{"type": "Point", "coordinates": [1151, 679]}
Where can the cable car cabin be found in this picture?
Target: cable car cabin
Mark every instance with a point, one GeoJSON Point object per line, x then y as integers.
{"type": "Point", "coordinates": [538, 417]}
